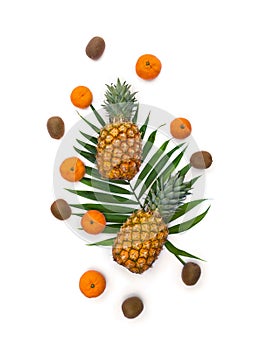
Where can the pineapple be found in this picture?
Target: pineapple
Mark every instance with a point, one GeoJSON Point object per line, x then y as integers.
{"type": "Point", "coordinates": [142, 236]}
{"type": "Point", "coordinates": [119, 143]}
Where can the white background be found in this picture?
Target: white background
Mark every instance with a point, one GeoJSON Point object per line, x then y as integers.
{"type": "Point", "coordinates": [210, 55]}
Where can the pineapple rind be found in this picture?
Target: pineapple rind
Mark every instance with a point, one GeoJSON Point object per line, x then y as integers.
{"type": "Point", "coordinates": [140, 241]}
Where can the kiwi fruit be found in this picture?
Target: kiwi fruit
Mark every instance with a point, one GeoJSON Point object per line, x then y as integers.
{"type": "Point", "coordinates": [201, 160]}
{"type": "Point", "coordinates": [95, 48]}
{"type": "Point", "coordinates": [132, 307]}
{"type": "Point", "coordinates": [191, 273]}
{"type": "Point", "coordinates": [56, 127]}
{"type": "Point", "coordinates": [60, 209]}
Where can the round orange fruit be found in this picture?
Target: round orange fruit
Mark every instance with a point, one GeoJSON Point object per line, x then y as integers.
{"type": "Point", "coordinates": [148, 67]}
{"type": "Point", "coordinates": [93, 222]}
{"type": "Point", "coordinates": [81, 97]}
{"type": "Point", "coordinates": [92, 283]}
{"type": "Point", "coordinates": [180, 128]}
{"type": "Point", "coordinates": [72, 169]}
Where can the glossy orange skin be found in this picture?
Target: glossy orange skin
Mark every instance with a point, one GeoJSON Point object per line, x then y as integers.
{"type": "Point", "coordinates": [180, 128]}
{"type": "Point", "coordinates": [93, 222]}
{"type": "Point", "coordinates": [92, 283]}
{"type": "Point", "coordinates": [72, 169]}
{"type": "Point", "coordinates": [81, 97]}
{"type": "Point", "coordinates": [148, 67]}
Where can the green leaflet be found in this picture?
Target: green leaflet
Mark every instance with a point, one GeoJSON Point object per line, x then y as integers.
{"type": "Point", "coordinates": [119, 209]}
{"type": "Point", "coordinates": [93, 127]}
{"type": "Point", "coordinates": [88, 147]}
{"type": "Point", "coordinates": [92, 139]}
{"type": "Point", "coordinates": [95, 174]}
{"type": "Point", "coordinates": [184, 208]}
{"type": "Point", "coordinates": [144, 126]}
{"type": "Point", "coordinates": [104, 186]}
{"type": "Point", "coordinates": [103, 197]}
{"type": "Point", "coordinates": [157, 169]}
{"type": "Point", "coordinates": [89, 156]}
{"type": "Point", "coordinates": [148, 167]}
{"type": "Point", "coordinates": [184, 226]}
{"type": "Point", "coordinates": [134, 119]}
{"type": "Point", "coordinates": [98, 116]}
{"type": "Point", "coordinates": [178, 252]}
{"type": "Point", "coordinates": [105, 243]}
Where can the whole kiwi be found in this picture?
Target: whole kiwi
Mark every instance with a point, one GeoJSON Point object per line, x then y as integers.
{"type": "Point", "coordinates": [95, 47]}
{"type": "Point", "coordinates": [201, 160]}
{"type": "Point", "coordinates": [191, 273]}
{"type": "Point", "coordinates": [60, 209]}
{"type": "Point", "coordinates": [132, 307]}
{"type": "Point", "coordinates": [56, 127]}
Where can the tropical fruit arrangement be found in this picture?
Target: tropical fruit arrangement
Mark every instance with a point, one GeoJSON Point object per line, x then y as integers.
{"type": "Point", "coordinates": [135, 187]}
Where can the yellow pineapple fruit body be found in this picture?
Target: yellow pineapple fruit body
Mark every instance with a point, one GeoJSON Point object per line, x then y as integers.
{"type": "Point", "coordinates": [140, 240]}
{"type": "Point", "coordinates": [119, 147]}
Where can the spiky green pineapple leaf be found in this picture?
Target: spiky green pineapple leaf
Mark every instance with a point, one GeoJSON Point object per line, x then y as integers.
{"type": "Point", "coordinates": [184, 226]}
{"type": "Point", "coordinates": [178, 252]}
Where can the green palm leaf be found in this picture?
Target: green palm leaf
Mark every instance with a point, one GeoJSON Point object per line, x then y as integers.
{"type": "Point", "coordinates": [184, 226]}
{"type": "Point", "coordinates": [105, 243]}
{"type": "Point", "coordinates": [104, 186]}
{"type": "Point", "coordinates": [87, 146]}
{"type": "Point", "coordinates": [102, 197]}
{"type": "Point", "coordinates": [178, 252]}
{"type": "Point", "coordinates": [98, 116]}
{"type": "Point", "coordinates": [157, 169]}
{"type": "Point", "coordinates": [89, 156]}
{"type": "Point", "coordinates": [119, 209]}
{"type": "Point", "coordinates": [92, 139]}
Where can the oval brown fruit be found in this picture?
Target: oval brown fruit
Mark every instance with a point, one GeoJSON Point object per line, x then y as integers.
{"type": "Point", "coordinates": [190, 273]}
{"type": "Point", "coordinates": [60, 209]}
{"type": "Point", "coordinates": [201, 160]}
{"type": "Point", "coordinates": [132, 307]}
{"type": "Point", "coordinates": [95, 48]}
{"type": "Point", "coordinates": [56, 127]}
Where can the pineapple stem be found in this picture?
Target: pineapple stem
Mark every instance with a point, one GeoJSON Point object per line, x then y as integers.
{"type": "Point", "coordinates": [136, 197]}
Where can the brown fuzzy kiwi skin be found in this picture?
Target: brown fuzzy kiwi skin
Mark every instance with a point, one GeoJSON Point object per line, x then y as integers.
{"type": "Point", "coordinates": [60, 209]}
{"type": "Point", "coordinates": [95, 48]}
{"type": "Point", "coordinates": [56, 127]}
{"type": "Point", "coordinates": [201, 160]}
{"type": "Point", "coordinates": [132, 307]}
{"type": "Point", "coordinates": [191, 273]}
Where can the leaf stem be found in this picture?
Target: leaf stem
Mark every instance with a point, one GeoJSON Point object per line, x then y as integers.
{"type": "Point", "coordinates": [136, 197]}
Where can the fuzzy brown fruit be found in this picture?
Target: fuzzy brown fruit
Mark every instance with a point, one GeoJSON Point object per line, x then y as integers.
{"type": "Point", "coordinates": [56, 127]}
{"type": "Point", "coordinates": [95, 48]}
{"type": "Point", "coordinates": [132, 307]}
{"type": "Point", "coordinates": [191, 273]}
{"type": "Point", "coordinates": [60, 209]}
{"type": "Point", "coordinates": [201, 160]}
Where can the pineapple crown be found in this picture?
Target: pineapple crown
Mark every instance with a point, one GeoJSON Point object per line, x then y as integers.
{"type": "Point", "coordinates": [120, 103]}
{"type": "Point", "coordinates": [167, 196]}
